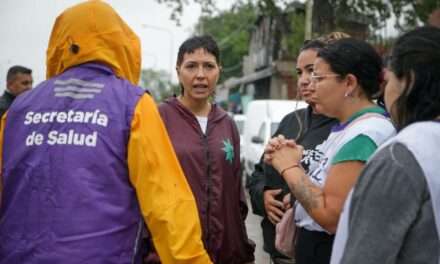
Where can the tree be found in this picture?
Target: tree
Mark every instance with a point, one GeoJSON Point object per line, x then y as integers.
{"type": "Point", "coordinates": [207, 7]}
{"type": "Point", "coordinates": [232, 36]}
{"type": "Point", "coordinates": [158, 83]}
{"type": "Point", "coordinates": [413, 12]}
{"type": "Point", "coordinates": [409, 13]}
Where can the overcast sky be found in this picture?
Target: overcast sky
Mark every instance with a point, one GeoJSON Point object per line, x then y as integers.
{"type": "Point", "coordinates": [25, 26]}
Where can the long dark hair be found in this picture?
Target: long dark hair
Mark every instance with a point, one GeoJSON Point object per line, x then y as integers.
{"type": "Point", "coordinates": [415, 58]}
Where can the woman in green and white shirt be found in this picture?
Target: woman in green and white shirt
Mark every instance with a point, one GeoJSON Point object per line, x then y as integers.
{"type": "Point", "coordinates": [347, 74]}
{"type": "Point", "coordinates": [393, 214]}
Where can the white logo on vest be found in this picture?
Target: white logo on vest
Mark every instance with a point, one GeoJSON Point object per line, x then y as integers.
{"type": "Point", "coordinates": [71, 137]}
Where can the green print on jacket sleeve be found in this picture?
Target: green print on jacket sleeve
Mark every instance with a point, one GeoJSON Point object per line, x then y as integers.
{"type": "Point", "coordinates": [229, 150]}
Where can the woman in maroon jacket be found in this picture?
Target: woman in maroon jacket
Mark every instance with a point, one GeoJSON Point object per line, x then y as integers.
{"type": "Point", "coordinates": [207, 143]}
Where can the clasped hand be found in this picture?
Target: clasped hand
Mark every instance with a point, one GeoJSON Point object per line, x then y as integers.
{"type": "Point", "coordinates": [282, 153]}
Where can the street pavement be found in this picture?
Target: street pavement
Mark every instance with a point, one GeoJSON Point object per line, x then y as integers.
{"type": "Point", "coordinates": [254, 232]}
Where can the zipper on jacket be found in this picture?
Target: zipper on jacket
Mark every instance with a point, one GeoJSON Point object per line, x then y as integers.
{"type": "Point", "coordinates": [208, 206]}
{"type": "Point", "coordinates": [138, 239]}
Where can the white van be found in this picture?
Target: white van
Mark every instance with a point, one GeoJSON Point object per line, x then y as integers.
{"type": "Point", "coordinates": [262, 120]}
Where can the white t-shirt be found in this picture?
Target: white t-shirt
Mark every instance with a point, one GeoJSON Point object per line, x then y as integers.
{"type": "Point", "coordinates": [376, 126]}
{"type": "Point", "coordinates": [203, 122]}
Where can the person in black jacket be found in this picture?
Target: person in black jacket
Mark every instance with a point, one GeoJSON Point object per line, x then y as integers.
{"type": "Point", "coordinates": [18, 80]}
{"type": "Point", "coordinates": [267, 188]}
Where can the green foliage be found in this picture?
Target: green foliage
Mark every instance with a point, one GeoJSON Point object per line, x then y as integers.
{"type": "Point", "coordinates": [409, 13]}
{"type": "Point", "coordinates": [295, 39]}
{"type": "Point", "coordinates": [232, 31]}
{"type": "Point", "coordinates": [177, 7]}
{"type": "Point", "coordinates": [373, 12]}
{"type": "Point", "coordinates": [158, 83]}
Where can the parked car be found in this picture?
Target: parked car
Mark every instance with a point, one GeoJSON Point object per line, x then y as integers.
{"type": "Point", "coordinates": [262, 120]}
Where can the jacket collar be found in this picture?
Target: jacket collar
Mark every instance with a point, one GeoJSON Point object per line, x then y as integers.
{"type": "Point", "coordinates": [8, 96]}
{"type": "Point", "coordinates": [215, 115]}
{"type": "Point", "coordinates": [98, 66]}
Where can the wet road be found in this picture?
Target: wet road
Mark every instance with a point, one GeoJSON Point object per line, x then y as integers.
{"type": "Point", "coordinates": [254, 232]}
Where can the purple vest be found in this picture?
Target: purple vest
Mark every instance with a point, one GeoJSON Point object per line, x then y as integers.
{"type": "Point", "coordinates": [67, 196]}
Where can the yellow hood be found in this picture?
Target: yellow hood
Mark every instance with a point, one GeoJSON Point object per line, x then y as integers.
{"type": "Point", "coordinates": [93, 31]}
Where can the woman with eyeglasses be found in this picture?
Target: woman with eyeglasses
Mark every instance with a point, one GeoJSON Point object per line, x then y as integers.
{"type": "Point", "coordinates": [269, 193]}
{"type": "Point", "coordinates": [395, 206]}
{"type": "Point", "coordinates": [346, 76]}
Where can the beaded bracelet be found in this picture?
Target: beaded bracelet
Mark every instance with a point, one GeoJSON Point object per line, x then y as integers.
{"type": "Point", "coordinates": [288, 168]}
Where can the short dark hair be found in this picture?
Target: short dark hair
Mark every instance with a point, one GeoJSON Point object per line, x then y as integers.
{"type": "Point", "coordinates": [415, 58]}
{"type": "Point", "coordinates": [14, 70]}
{"type": "Point", "coordinates": [357, 57]}
{"type": "Point", "coordinates": [205, 42]}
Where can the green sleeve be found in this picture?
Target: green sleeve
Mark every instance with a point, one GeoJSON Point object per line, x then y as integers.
{"type": "Point", "coordinates": [359, 148]}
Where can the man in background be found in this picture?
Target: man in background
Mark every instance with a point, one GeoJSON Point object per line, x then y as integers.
{"type": "Point", "coordinates": [18, 80]}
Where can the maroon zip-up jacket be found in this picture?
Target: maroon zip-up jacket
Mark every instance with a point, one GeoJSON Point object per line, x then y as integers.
{"type": "Point", "coordinates": [211, 163]}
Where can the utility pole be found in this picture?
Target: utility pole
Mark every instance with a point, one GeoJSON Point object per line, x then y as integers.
{"type": "Point", "coordinates": [309, 17]}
